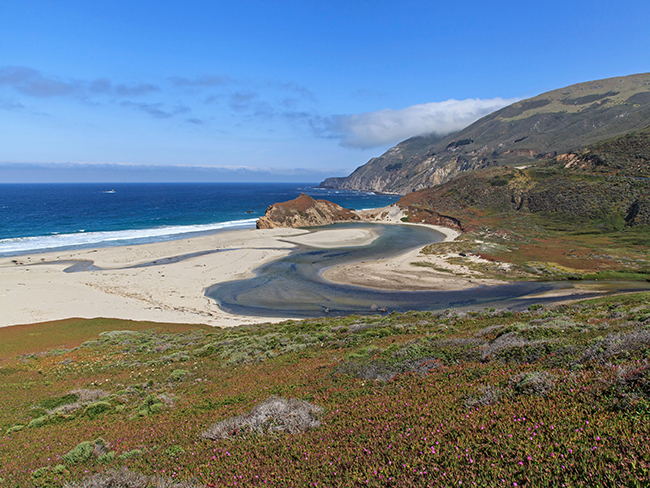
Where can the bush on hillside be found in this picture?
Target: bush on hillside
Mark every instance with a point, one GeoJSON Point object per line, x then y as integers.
{"type": "Point", "coordinates": [123, 478]}
{"type": "Point", "coordinates": [273, 415]}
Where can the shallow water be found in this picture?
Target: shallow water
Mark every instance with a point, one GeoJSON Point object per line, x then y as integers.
{"type": "Point", "coordinates": [292, 286]}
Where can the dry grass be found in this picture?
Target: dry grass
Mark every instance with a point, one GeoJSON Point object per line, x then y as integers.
{"type": "Point", "coordinates": [122, 478]}
{"type": "Point", "coordinates": [86, 395]}
{"type": "Point", "coordinates": [273, 415]}
{"type": "Point", "coordinates": [618, 345]}
{"type": "Point", "coordinates": [489, 395]}
{"type": "Point", "coordinates": [538, 383]}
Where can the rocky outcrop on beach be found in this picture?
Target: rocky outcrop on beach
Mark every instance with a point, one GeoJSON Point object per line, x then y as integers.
{"type": "Point", "coordinates": [304, 211]}
{"type": "Point", "coordinates": [419, 215]}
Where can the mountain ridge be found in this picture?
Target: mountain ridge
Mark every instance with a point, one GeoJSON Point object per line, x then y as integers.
{"type": "Point", "coordinates": [526, 132]}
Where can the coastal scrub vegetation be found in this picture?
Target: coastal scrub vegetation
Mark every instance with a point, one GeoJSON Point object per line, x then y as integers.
{"type": "Point", "coordinates": [519, 233]}
{"type": "Point", "coordinates": [544, 397]}
{"type": "Point", "coordinates": [536, 248]}
{"type": "Point", "coordinates": [577, 216]}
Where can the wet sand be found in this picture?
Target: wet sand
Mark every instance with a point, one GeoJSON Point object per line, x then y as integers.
{"type": "Point", "coordinates": [161, 282]}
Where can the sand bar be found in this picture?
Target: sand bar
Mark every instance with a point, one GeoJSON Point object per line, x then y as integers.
{"type": "Point", "coordinates": [331, 238]}
{"type": "Point", "coordinates": [398, 273]}
{"type": "Point", "coordinates": [165, 288]}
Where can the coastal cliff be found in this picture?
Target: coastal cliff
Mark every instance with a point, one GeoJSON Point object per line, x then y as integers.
{"type": "Point", "coordinates": [304, 211]}
{"type": "Point", "coordinates": [524, 133]}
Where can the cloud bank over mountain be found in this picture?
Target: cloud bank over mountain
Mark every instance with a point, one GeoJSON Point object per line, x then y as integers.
{"type": "Point", "coordinates": [385, 127]}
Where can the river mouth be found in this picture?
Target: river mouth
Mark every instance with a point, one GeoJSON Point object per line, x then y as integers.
{"type": "Point", "coordinates": [293, 287]}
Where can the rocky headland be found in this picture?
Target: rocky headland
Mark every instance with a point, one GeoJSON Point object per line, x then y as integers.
{"type": "Point", "coordinates": [304, 211]}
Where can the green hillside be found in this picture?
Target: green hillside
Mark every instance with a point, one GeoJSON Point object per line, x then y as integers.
{"type": "Point", "coordinates": [621, 156]}
{"type": "Point", "coordinates": [583, 215]}
{"type": "Point", "coordinates": [523, 133]}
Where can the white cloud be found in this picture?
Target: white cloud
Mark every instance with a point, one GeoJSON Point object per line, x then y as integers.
{"type": "Point", "coordinates": [373, 129]}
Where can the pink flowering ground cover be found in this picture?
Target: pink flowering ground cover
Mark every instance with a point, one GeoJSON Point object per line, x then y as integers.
{"type": "Point", "coordinates": [547, 397]}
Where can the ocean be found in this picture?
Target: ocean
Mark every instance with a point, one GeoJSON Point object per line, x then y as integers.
{"type": "Point", "coordinates": [50, 217]}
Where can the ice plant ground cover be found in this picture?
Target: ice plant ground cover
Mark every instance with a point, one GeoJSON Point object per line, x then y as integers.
{"type": "Point", "coordinates": [551, 396]}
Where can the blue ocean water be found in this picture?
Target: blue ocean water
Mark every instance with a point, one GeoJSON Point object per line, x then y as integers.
{"type": "Point", "coordinates": [38, 218]}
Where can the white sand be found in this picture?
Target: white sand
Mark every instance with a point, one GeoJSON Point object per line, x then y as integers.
{"type": "Point", "coordinates": [331, 238]}
{"type": "Point", "coordinates": [38, 290]}
{"type": "Point", "coordinates": [35, 288]}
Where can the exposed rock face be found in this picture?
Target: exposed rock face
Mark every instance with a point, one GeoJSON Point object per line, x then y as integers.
{"type": "Point", "coordinates": [418, 215]}
{"type": "Point", "coordinates": [304, 211]}
{"type": "Point", "coordinates": [523, 133]}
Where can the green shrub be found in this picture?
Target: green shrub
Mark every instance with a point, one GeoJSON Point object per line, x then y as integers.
{"type": "Point", "coordinates": [52, 403]}
{"type": "Point", "coordinates": [96, 408]}
{"type": "Point", "coordinates": [393, 167]}
{"type": "Point", "coordinates": [174, 450]}
{"type": "Point", "coordinates": [52, 418]}
{"type": "Point", "coordinates": [85, 450]}
{"type": "Point", "coordinates": [133, 453]}
{"type": "Point", "coordinates": [207, 350]}
{"type": "Point", "coordinates": [15, 428]}
{"type": "Point", "coordinates": [178, 375]}
{"type": "Point", "coordinates": [81, 453]}
{"type": "Point", "coordinates": [151, 405]}
{"type": "Point", "coordinates": [107, 458]}
{"type": "Point", "coordinates": [40, 472]}
{"type": "Point", "coordinates": [180, 356]}
{"type": "Point", "coordinates": [39, 422]}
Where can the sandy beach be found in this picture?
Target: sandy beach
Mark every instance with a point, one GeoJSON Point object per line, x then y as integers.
{"type": "Point", "coordinates": [166, 281]}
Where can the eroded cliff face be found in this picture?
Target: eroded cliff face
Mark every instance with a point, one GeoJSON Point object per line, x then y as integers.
{"type": "Point", "coordinates": [304, 211]}
{"type": "Point", "coordinates": [521, 134]}
{"type": "Point", "coordinates": [415, 173]}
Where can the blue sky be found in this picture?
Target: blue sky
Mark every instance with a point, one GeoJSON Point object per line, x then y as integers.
{"type": "Point", "coordinates": [290, 90]}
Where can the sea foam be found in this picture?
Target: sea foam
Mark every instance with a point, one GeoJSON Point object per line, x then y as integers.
{"type": "Point", "coordinates": [24, 245]}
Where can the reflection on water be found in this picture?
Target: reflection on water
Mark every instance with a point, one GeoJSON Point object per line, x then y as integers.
{"type": "Point", "coordinates": [292, 286]}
